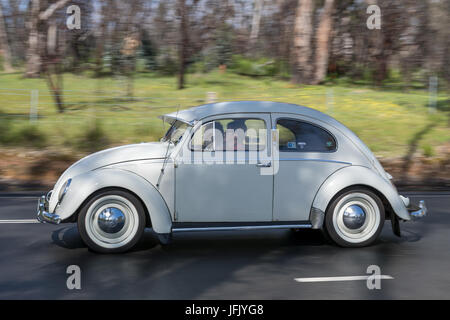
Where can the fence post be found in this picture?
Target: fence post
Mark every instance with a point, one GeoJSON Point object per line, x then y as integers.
{"type": "Point", "coordinates": [432, 91]}
{"type": "Point", "coordinates": [211, 97]}
{"type": "Point", "coordinates": [34, 101]}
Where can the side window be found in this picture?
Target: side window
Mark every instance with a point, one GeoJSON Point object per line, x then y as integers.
{"type": "Point", "coordinates": [234, 134]}
{"type": "Point", "coordinates": [202, 140]}
{"type": "Point", "coordinates": [299, 136]}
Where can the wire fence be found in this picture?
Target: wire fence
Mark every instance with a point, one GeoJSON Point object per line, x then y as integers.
{"type": "Point", "coordinates": [386, 118]}
{"type": "Point", "coordinates": [37, 105]}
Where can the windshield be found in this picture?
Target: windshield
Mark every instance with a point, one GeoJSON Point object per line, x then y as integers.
{"type": "Point", "coordinates": [175, 132]}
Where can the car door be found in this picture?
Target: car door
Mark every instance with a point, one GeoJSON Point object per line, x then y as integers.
{"type": "Point", "coordinates": [223, 173]}
{"type": "Point", "coordinates": [306, 157]}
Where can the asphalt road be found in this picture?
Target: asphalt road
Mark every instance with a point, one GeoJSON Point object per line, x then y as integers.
{"type": "Point", "coordinates": [226, 265]}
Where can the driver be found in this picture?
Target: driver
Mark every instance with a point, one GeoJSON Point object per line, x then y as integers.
{"type": "Point", "coordinates": [235, 136]}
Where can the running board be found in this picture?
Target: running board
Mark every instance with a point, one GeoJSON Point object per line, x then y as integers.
{"type": "Point", "coordinates": [243, 228]}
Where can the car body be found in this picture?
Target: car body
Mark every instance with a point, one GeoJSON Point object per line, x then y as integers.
{"type": "Point", "coordinates": [287, 166]}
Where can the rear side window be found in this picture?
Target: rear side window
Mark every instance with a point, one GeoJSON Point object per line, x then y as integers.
{"type": "Point", "coordinates": [299, 136]}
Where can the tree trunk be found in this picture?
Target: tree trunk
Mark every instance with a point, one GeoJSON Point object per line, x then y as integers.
{"type": "Point", "coordinates": [255, 23]}
{"type": "Point", "coordinates": [4, 45]}
{"type": "Point", "coordinates": [55, 85]}
{"type": "Point", "coordinates": [303, 29]}
{"type": "Point", "coordinates": [33, 57]}
{"type": "Point", "coordinates": [322, 42]}
{"type": "Point", "coordinates": [52, 67]}
{"type": "Point", "coordinates": [34, 60]}
{"type": "Point", "coordinates": [183, 44]}
{"type": "Point", "coordinates": [101, 38]}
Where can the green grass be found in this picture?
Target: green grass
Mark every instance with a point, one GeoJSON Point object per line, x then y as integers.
{"type": "Point", "coordinates": [389, 121]}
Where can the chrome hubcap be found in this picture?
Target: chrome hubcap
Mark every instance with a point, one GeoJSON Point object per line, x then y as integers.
{"type": "Point", "coordinates": [111, 220]}
{"type": "Point", "coordinates": [354, 217]}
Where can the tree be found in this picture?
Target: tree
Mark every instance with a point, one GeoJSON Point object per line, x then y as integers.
{"type": "Point", "coordinates": [4, 45]}
{"type": "Point", "coordinates": [322, 42]}
{"type": "Point", "coordinates": [303, 30]}
{"type": "Point", "coordinates": [106, 12]}
{"type": "Point", "coordinates": [33, 55]}
{"type": "Point", "coordinates": [255, 23]}
{"type": "Point", "coordinates": [183, 42]}
{"type": "Point", "coordinates": [51, 66]}
{"type": "Point", "coordinates": [36, 25]}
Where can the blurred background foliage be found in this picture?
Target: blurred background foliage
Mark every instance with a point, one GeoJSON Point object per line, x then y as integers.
{"type": "Point", "coordinates": [105, 83]}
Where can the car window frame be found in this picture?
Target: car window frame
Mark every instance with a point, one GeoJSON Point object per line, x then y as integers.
{"type": "Point", "coordinates": [310, 123]}
{"type": "Point", "coordinates": [233, 116]}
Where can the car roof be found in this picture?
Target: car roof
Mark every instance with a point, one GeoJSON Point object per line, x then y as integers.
{"type": "Point", "coordinates": [203, 111]}
{"type": "Point", "coordinates": [194, 114]}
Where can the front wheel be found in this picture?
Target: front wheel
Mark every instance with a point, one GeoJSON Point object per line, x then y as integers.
{"type": "Point", "coordinates": [355, 218]}
{"type": "Point", "coordinates": [112, 221]}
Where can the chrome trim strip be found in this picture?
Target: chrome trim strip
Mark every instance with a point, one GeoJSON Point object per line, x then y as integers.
{"type": "Point", "coordinates": [255, 161]}
{"type": "Point", "coordinates": [243, 228]}
{"type": "Point", "coordinates": [320, 160]}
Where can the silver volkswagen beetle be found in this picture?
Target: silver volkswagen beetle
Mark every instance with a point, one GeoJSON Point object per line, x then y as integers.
{"type": "Point", "coordinates": [231, 166]}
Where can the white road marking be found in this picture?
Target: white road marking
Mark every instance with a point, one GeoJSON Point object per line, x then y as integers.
{"type": "Point", "coordinates": [348, 278]}
{"type": "Point", "coordinates": [20, 221]}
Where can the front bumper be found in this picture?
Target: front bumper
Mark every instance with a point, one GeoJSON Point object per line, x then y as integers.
{"type": "Point", "coordinates": [42, 212]}
{"type": "Point", "coordinates": [417, 211]}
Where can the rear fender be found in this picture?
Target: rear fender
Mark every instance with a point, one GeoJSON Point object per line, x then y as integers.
{"type": "Point", "coordinates": [359, 175]}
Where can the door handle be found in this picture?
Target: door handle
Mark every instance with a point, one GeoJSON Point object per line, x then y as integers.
{"type": "Point", "coordinates": [264, 165]}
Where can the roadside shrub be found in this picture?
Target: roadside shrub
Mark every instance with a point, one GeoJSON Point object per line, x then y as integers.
{"type": "Point", "coordinates": [250, 67]}
{"type": "Point", "coordinates": [197, 67]}
{"type": "Point", "coordinates": [30, 135]}
{"type": "Point", "coordinates": [24, 135]}
{"type": "Point", "coordinates": [148, 52]}
{"type": "Point", "coordinates": [5, 128]}
{"type": "Point", "coordinates": [428, 151]}
{"type": "Point", "coordinates": [93, 138]}
{"type": "Point", "coordinates": [166, 65]}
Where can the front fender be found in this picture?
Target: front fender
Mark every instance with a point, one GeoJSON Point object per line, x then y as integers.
{"type": "Point", "coordinates": [85, 184]}
{"type": "Point", "coordinates": [358, 175]}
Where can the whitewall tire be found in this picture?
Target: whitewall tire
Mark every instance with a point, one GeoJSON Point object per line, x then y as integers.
{"type": "Point", "coordinates": [112, 221]}
{"type": "Point", "coordinates": [355, 218]}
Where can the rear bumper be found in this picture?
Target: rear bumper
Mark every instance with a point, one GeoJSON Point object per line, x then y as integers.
{"type": "Point", "coordinates": [43, 215]}
{"type": "Point", "coordinates": [417, 211]}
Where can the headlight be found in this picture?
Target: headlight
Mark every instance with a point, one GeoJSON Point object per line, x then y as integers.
{"type": "Point", "coordinates": [64, 189]}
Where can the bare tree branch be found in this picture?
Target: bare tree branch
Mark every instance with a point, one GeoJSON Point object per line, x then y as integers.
{"type": "Point", "coordinates": [51, 9]}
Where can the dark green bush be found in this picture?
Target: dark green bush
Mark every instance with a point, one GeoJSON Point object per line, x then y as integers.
{"type": "Point", "coordinates": [166, 65]}
{"type": "Point", "coordinates": [5, 130]}
{"type": "Point", "coordinates": [252, 67]}
{"type": "Point", "coordinates": [93, 138]}
{"type": "Point", "coordinates": [28, 135]}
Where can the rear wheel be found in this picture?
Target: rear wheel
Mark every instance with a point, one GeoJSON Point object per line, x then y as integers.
{"type": "Point", "coordinates": [355, 218]}
{"type": "Point", "coordinates": [112, 221]}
